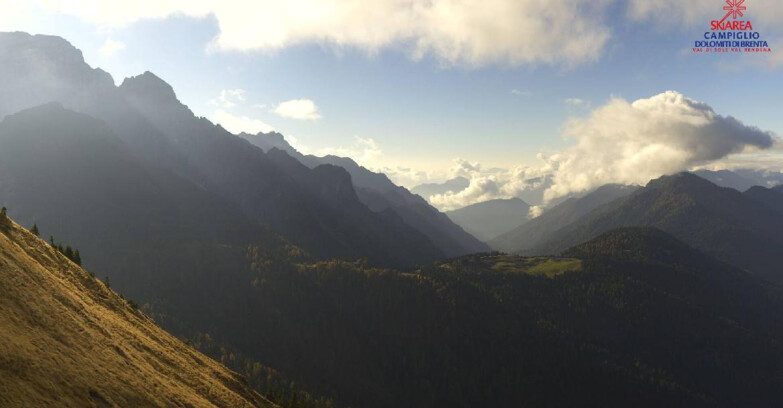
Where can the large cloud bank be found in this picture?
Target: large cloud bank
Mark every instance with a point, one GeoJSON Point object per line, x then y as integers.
{"type": "Point", "coordinates": [465, 32]}
{"type": "Point", "coordinates": [631, 143]}
{"type": "Point", "coordinates": [620, 142]}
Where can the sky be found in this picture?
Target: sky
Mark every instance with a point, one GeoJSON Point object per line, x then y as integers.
{"type": "Point", "coordinates": [501, 91]}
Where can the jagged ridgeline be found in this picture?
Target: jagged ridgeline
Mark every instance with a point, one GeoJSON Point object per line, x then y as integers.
{"type": "Point", "coordinates": [69, 341]}
{"type": "Point", "coordinates": [184, 155]}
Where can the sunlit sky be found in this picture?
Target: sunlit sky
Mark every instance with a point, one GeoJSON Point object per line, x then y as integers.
{"type": "Point", "coordinates": [416, 85]}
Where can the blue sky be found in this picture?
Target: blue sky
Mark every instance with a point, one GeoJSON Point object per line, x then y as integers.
{"type": "Point", "coordinates": [391, 108]}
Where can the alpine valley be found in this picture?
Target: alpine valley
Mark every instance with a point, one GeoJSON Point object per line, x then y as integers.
{"type": "Point", "coordinates": [293, 280]}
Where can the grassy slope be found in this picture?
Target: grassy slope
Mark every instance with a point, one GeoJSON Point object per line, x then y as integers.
{"type": "Point", "coordinates": [69, 341]}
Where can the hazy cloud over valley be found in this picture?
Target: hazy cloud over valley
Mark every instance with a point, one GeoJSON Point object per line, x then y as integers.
{"type": "Point", "coordinates": [620, 142]}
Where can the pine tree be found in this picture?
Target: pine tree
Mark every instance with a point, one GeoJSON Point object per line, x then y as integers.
{"type": "Point", "coordinates": [77, 258]}
{"type": "Point", "coordinates": [106, 281]}
{"type": "Point", "coordinates": [34, 230]}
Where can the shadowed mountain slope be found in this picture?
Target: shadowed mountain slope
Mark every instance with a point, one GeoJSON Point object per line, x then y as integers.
{"type": "Point", "coordinates": [141, 224]}
{"type": "Point", "coordinates": [377, 192]}
{"type": "Point", "coordinates": [540, 228]}
{"type": "Point", "coordinates": [316, 209]}
{"type": "Point", "coordinates": [770, 197]}
{"type": "Point", "coordinates": [717, 220]}
{"type": "Point", "coordinates": [491, 218]}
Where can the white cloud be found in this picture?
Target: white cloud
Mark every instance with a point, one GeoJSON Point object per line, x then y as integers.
{"type": "Point", "coordinates": [770, 161]}
{"type": "Point", "coordinates": [527, 182]}
{"type": "Point", "coordinates": [301, 109]}
{"type": "Point", "coordinates": [457, 32]}
{"type": "Point", "coordinates": [535, 211]}
{"type": "Point", "coordinates": [229, 98]}
{"type": "Point", "coordinates": [632, 143]}
{"type": "Point", "coordinates": [408, 177]}
{"type": "Point", "coordinates": [363, 151]}
{"type": "Point", "coordinates": [622, 142]}
{"type": "Point", "coordinates": [518, 92]}
{"type": "Point", "coordinates": [239, 124]}
{"type": "Point", "coordinates": [111, 47]}
{"type": "Point", "coordinates": [17, 14]}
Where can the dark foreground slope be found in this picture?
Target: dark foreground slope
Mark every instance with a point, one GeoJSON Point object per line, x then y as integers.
{"type": "Point", "coordinates": [633, 318]}
{"type": "Point", "coordinates": [68, 341]}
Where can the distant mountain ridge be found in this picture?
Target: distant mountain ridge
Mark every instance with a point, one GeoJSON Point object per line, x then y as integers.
{"type": "Point", "coordinates": [572, 209]}
{"type": "Point", "coordinates": [742, 179]}
{"type": "Point", "coordinates": [489, 219]}
{"type": "Point", "coordinates": [720, 221]}
{"type": "Point", "coordinates": [454, 185]}
{"type": "Point", "coordinates": [377, 192]}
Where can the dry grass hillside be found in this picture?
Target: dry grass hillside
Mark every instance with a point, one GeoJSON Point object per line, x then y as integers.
{"type": "Point", "coordinates": [66, 340]}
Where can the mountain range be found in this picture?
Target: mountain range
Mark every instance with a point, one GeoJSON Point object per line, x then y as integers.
{"type": "Point", "coordinates": [379, 194]}
{"type": "Point", "coordinates": [732, 226]}
{"type": "Point", "coordinates": [315, 208]}
{"type": "Point", "coordinates": [317, 274]}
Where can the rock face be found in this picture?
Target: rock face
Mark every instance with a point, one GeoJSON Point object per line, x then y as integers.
{"type": "Point", "coordinates": [67, 340]}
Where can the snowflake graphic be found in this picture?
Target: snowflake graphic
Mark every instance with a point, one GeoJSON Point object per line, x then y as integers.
{"type": "Point", "coordinates": [734, 8]}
